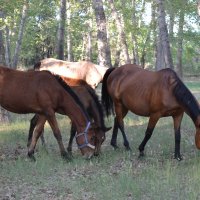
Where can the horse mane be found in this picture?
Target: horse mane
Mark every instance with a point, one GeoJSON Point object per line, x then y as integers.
{"type": "Point", "coordinates": [106, 100]}
{"type": "Point", "coordinates": [37, 66]}
{"type": "Point", "coordinates": [72, 93]}
{"type": "Point", "coordinates": [186, 98]}
{"type": "Point", "coordinates": [97, 102]}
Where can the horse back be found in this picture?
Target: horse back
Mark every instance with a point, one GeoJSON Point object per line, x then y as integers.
{"type": "Point", "coordinates": [142, 91]}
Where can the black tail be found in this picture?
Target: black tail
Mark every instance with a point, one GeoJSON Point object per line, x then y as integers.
{"type": "Point", "coordinates": [186, 99]}
{"type": "Point", "coordinates": [106, 100]}
{"type": "Point", "coordinates": [37, 66]}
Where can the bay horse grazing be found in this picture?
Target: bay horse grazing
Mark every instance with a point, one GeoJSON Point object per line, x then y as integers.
{"type": "Point", "coordinates": [84, 70]}
{"type": "Point", "coordinates": [151, 94]}
{"type": "Point", "coordinates": [42, 93]}
{"type": "Point", "coordinates": [91, 104]}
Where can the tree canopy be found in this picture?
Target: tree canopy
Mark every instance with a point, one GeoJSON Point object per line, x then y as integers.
{"type": "Point", "coordinates": [131, 23]}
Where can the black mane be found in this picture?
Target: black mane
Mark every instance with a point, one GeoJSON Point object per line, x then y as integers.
{"type": "Point", "coordinates": [72, 93]}
{"type": "Point", "coordinates": [186, 98]}
{"type": "Point", "coordinates": [98, 104]}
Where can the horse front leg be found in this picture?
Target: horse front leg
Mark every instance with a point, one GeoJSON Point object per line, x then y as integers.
{"type": "Point", "coordinates": [56, 131]}
{"type": "Point", "coordinates": [148, 133]}
{"type": "Point", "coordinates": [72, 135]}
{"type": "Point", "coordinates": [177, 123]}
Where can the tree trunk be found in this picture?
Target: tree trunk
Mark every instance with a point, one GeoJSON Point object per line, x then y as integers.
{"type": "Point", "coordinates": [69, 42]}
{"type": "Point", "coordinates": [4, 115]}
{"type": "Point", "coordinates": [180, 44]}
{"type": "Point", "coordinates": [104, 54]}
{"type": "Point", "coordinates": [61, 31]}
{"type": "Point", "coordinates": [160, 60]}
{"type": "Point", "coordinates": [134, 38]}
{"type": "Point", "coordinates": [163, 35]}
{"type": "Point", "coordinates": [20, 35]}
{"type": "Point", "coordinates": [7, 47]}
{"type": "Point", "coordinates": [122, 35]}
{"type": "Point", "coordinates": [2, 50]}
{"type": "Point", "coordinates": [198, 7]}
{"type": "Point", "coordinates": [171, 25]}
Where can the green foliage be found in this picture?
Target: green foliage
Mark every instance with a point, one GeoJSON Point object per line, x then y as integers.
{"type": "Point", "coordinates": [40, 34]}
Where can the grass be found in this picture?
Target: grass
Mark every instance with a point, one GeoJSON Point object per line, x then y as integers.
{"type": "Point", "coordinates": [114, 175]}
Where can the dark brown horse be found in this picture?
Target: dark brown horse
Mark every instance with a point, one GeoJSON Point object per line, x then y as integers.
{"type": "Point", "coordinates": [151, 94]}
{"type": "Point", "coordinates": [84, 70]}
{"type": "Point", "coordinates": [45, 94]}
{"type": "Point", "coordinates": [91, 103]}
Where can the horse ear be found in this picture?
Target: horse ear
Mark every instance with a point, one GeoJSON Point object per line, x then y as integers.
{"type": "Point", "coordinates": [107, 128]}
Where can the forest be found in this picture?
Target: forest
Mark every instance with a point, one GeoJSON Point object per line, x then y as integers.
{"type": "Point", "coordinates": [154, 34]}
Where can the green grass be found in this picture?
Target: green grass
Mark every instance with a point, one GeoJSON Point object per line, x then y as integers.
{"type": "Point", "coordinates": [113, 175]}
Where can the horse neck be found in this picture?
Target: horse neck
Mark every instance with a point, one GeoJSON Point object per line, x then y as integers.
{"type": "Point", "coordinates": [72, 106]}
{"type": "Point", "coordinates": [78, 116]}
{"type": "Point", "coordinates": [101, 70]}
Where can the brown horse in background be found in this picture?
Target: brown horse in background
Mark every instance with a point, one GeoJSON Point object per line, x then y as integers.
{"type": "Point", "coordinates": [84, 70]}
{"type": "Point", "coordinates": [91, 103]}
{"type": "Point", "coordinates": [151, 94]}
{"type": "Point", "coordinates": [44, 94]}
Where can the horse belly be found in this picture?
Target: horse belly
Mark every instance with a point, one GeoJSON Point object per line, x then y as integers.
{"type": "Point", "coordinates": [136, 106]}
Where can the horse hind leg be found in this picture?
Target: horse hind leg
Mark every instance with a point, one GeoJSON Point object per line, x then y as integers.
{"type": "Point", "coordinates": [38, 130]}
{"type": "Point", "coordinates": [148, 133]}
{"type": "Point", "coordinates": [33, 124]}
{"type": "Point", "coordinates": [121, 112]}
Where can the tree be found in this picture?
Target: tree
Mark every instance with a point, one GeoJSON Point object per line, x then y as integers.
{"type": "Point", "coordinates": [20, 34]}
{"type": "Point", "coordinates": [198, 7]}
{"type": "Point", "coordinates": [69, 42]}
{"type": "Point", "coordinates": [61, 30]}
{"type": "Point", "coordinates": [180, 41]}
{"type": "Point", "coordinates": [104, 54]}
{"type": "Point", "coordinates": [163, 38]}
{"type": "Point", "coordinates": [120, 28]}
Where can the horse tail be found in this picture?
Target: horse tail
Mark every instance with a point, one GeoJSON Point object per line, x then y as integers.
{"type": "Point", "coordinates": [37, 66]}
{"type": "Point", "coordinates": [185, 97]}
{"type": "Point", "coordinates": [106, 100]}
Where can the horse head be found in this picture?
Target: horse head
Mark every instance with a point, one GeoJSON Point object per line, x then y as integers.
{"type": "Point", "coordinates": [98, 138]}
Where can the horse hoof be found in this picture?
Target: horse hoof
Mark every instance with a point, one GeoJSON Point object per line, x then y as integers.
{"type": "Point", "coordinates": [128, 148]}
{"type": "Point", "coordinates": [66, 157]}
{"type": "Point", "coordinates": [179, 158]}
{"type": "Point", "coordinates": [141, 155]}
{"type": "Point", "coordinates": [114, 146]}
{"type": "Point", "coordinates": [32, 157]}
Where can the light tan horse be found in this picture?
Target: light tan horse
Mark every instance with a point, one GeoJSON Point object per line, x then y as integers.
{"type": "Point", "coordinates": [84, 70]}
